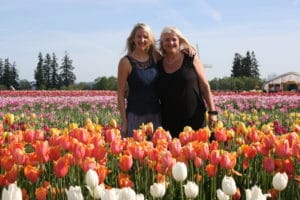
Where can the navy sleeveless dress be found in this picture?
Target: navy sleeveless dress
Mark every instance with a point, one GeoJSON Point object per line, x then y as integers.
{"type": "Point", "coordinates": [142, 101]}
{"type": "Point", "coordinates": [181, 101]}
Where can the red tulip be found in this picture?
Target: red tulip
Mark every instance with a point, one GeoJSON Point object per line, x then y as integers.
{"type": "Point", "coordinates": [61, 167]}
{"type": "Point", "coordinates": [42, 150]}
{"type": "Point", "coordinates": [211, 170]}
{"type": "Point", "coordinates": [175, 147]}
{"type": "Point", "coordinates": [54, 152]}
{"type": "Point", "coordinates": [125, 162]}
{"type": "Point", "coordinates": [268, 164]}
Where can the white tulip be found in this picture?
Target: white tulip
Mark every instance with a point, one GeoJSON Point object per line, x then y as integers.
{"type": "Point", "coordinates": [228, 185]}
{"type": "Point", "coordinates": [280, 181]}
{"type": "Point", "coordinates": [179, 171]}
{"type": "Point", "coordinates": [256, 194]}
{"type": "Point", "coordinates": [74, 193]}
{"type": "Point", "coordinates": [157, 190]}
{"type": "Point", "coordinates": [91, 178]}
{"type": "Point", "coordinates": [191, 190]}
{"type": "Point", "coordinates": [140, 197]}
{"type": "Point", "coordinates": [12, 193]}
{"type": "Point", "coordinates": [221, 195]}
{"type": "Point", "coordinates": [127, 194]}
{"type": "Point", "coordinates": [97, 192]}
{"type": "Point", "coordinates": [112, 194]}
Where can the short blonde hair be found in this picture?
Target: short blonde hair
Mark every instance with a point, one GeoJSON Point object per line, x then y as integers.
{"type": "Point", "coordinates": [130, 46]}
{"type": "Point", "coordinates": [183, 41]}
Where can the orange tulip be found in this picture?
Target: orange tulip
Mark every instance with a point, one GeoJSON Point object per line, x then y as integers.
{"type": "Point", "coordinates": [29, 136]}
{"type": "Point", "coordinates": [250, 151]}
{"type": "Point", "coordinates": [202, 150]}
{"type": "Point", "coordinates": [215, 157]}
{"type": "Point", "coordinates": [116, 146]}
{"type": "Point", "coordinates": [54, 152]}
{"type": "Point", "coordinates": [32, 173]}
{"type": "Point", "coordinates": [139, 135]}
{"type": "Point", "coordinates": [211, 170]}
{"type": "Point", "coordinates": [124, 180]}
{"type": "Point", "coordinates": [220, 134]}
{"type": "Point", "coordinates": [41, 193]}
{"type": "Point", "coordinates": [136, 150]}
{"type": "Point", "coordinates": [19, 156]}
{"type": "Point", "coordinates": [125, 162]}
{"type": "Point", "coordinates": [102, 172]}
{"type": "Point", "coordinates": [188, 151]}
{"type": "Point", "coordinates": [61, 167]}
{"type": "Point", "coordinates": [202, 135]}
{"type": "Point", "coordinates": [99, 152]}
{"type": "Point", "coordinates": [111, 135]}
{"type": "Point", "coordinates": [7, 162]}
{"type": "Point", "coordinates": [282, 148]}
{"type": "Point", "coordinates": [228, 160]}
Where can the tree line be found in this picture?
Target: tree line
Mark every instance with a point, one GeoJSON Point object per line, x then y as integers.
{"type": "Point", "coordinates": [49, 75]}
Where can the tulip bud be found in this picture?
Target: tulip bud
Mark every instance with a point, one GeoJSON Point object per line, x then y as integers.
{"type": "Point", "coordinates": [179, 171]}
{"type": "Point", "coordinates": [191, 190]}
{"type": "Point", "coordinates": [157, 190]}
{"type": "Point", "coordinates": [91, 178]}
{"type": "Point", "coordinates": [228, 185]}
{"type": "Point", "coordinates": [280, 181]}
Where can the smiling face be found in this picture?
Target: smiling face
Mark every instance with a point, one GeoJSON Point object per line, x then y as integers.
{"type": "Point", "coordinates": [170, 42]}
{"type": "Point", "coordinates": [141, 39]}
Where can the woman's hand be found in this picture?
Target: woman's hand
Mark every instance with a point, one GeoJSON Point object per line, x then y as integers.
{"type": "Point", "coordinates": [212, 120]}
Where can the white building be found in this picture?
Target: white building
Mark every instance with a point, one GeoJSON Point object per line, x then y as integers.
{"type": "Point", "coordinates": [287, 81]}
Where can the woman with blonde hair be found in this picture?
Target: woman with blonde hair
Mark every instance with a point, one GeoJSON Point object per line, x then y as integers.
{"type": "Point", "coordinates": [137, 74]}
{"type": "Point", "coordinates": [182, 86]}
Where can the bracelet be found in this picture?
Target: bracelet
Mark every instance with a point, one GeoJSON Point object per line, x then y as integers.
{"type": "Point", "coordinates": [212, 112]}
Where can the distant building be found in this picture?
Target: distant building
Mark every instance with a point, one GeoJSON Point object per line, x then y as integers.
{"type": "Point", "coordinates": [286, 82]}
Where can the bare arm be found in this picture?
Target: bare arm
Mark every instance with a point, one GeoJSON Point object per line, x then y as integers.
{"type": "Point", "coordinates": [124, 70]}
{"type": "Point", "coordinates": [205, 88]}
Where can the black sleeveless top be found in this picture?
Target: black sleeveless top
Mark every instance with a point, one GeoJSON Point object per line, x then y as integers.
{"type": "Point", "coordinates": [142, 98]}
{"type": "Point", "coordinates": [181, 101]}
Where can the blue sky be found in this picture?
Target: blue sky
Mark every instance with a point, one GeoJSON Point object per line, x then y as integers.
{"type": "Point", "coordinates": [93, 32]}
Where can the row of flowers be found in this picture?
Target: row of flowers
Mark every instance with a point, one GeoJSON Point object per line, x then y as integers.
{"type": "Point", "coordinates": [55, 161]}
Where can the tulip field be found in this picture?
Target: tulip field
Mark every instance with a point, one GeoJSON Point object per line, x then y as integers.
{"type": "Point", "coordinates": [66, 145]}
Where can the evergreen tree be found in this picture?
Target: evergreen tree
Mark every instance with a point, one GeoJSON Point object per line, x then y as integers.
{"type": "Point", "coordinates": [6, 73]}
{"type": "Point", "coordinates": [246, 65]}
{"type": "Point", "coordinates": [54, 73]}
{"type": "Point", "coordinates": [14, 76]}
{"type": "Point", "coordinates": [254, 66]}
{"type": "Point", "coordinates": [47, 71]}
{"type": "Point", "coordinates": [39, 73]}
{"type": "Point", "coordinates": [236, 68]}
{"type": "Point", "coordinates": [67, 76]}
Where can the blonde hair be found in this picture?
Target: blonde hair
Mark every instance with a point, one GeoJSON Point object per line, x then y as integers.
{"type": "Point", "coordinates": [130, 46]}
{"type": "Point", "coordinates": [183, 41]}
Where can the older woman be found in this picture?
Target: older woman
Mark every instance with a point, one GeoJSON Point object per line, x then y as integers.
{"type": "Point", "coordinates": [183, 89]}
